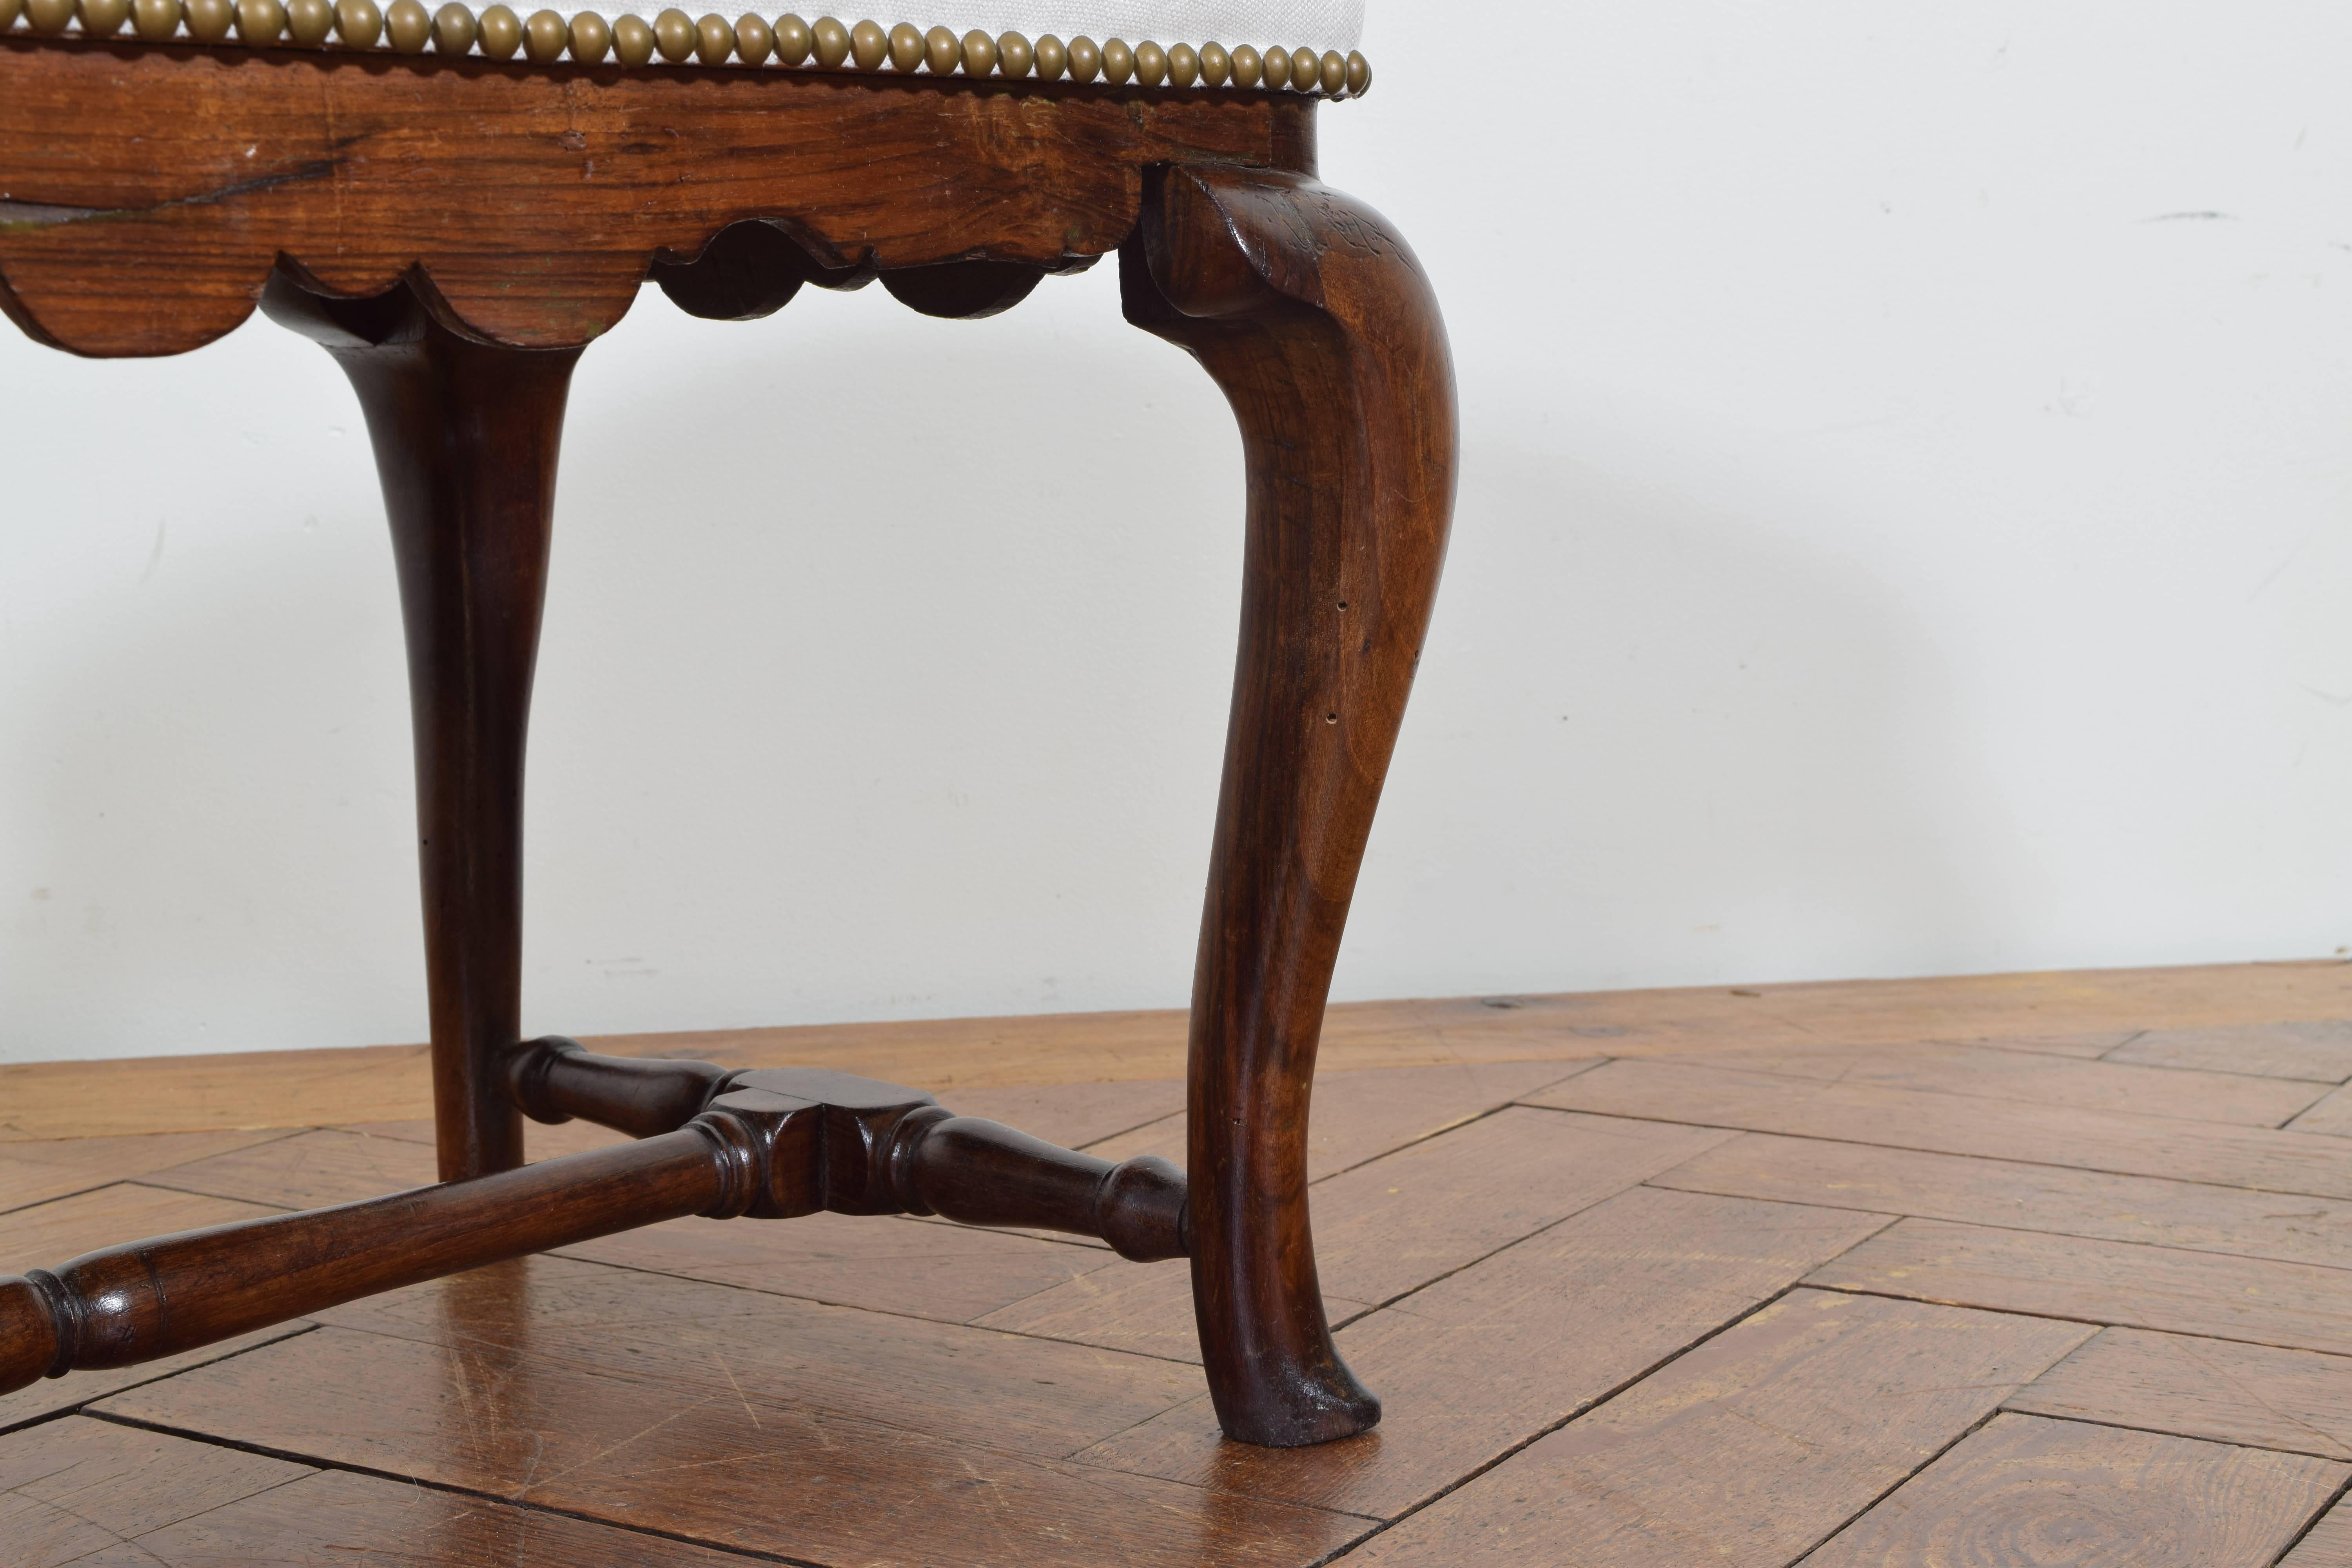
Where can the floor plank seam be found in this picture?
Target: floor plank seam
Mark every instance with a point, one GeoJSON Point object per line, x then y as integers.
{"type": "Point", "coordinates": [214, 1439]}
{"type": "Point", "coordinates": [2114, 1426]}
{"type": "Point", "coordinates": [2312, 1523]}
{"type": "Point", "coordinates": [2038, 1164]}
{"type": "Point", "coordinates": [1596, 1402]}
{"type": "Point", "coordinates": [58, 1415]}
{"type": "Point", "coordinates": [2058, 1318]}
{"type": "Point", "coordinates": [1975, 1426]}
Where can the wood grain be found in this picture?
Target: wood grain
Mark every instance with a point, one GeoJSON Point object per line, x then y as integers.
{"type": "Point", "coordinates": [950, 1273]}
{"type": "Point", "coordinates": [2329, 1545]}
{"type": "Point", "coordinates": [2255, 1300]}
{"type": "Point", "coordinates": [2257, 1158]}
{"type": "Point", "coordinates": [1386, 1227]}
{"type": "Point", "coordinates": [1747, 1451]}
{"type": "Point", "coordinates": [2030, 1493]}
{"type": "Point", "coordinates": [2316, 1051]}
{"type": "Point", "coordinates": [744, 1456]}
{"type": "Point", "coordinates": [1359, 1115]}
{"type": "Point", "coordinates": [1512, 1345]}
{"type": "Point", "coordinates": [75, 1487]}
{"type": "Point", "coordinates": [309, 1170]}
{"type": "Point", "coordinates": [2257, 1396]}
{"type": "Point", "coordinates": [2192, 1215]}
{"type": "Point", "coordinates": [2043, 1079]}
{"type": "Point", "coordinates": [370, 1083]}
{"type": "Point", "coordinates": [333, 1517]}
{"type": "Point", "coordinates": [35, 1171]}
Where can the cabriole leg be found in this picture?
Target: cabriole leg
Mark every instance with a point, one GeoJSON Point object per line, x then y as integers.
{"type": "Point", "coordinates": [466, 436]}
{"type": "Point", "coordinates": [1318, 323]}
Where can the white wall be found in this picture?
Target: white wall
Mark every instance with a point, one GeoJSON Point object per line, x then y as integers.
{"type": "Point", "coordinates": [1905, 526]}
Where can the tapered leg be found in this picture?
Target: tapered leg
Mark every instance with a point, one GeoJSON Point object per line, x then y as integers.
{"type": "Point", "coordinates": [465, 436]}
{"type": "Point", "coordinates": [1316, 321]}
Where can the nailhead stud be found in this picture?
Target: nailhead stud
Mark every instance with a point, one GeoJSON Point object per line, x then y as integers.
{"type": "Point", "coordinates": [1150, 63]}
{"type": "Point", "coordinates": [1305, 69]}
{"type": "Point", "coordinates": [9, 11]}
{"type": "Point", "coordinates": [49, 16]}
{"type": "Point", "coordinates": [673, 35]}
{"type": "Point", "coordinates": [1335, 72]}
{"type": "Point", "coordinates": [545, 36]}
{"type": "Point", "coordinates": [633, 40]}
{"type": "Point", "coordinates": [258, 21]}
{"type": "Point", "coordinates": [155, 20]}
{"type": "Point", "coordinates": [103, 18]}
{"type": "Point", "coordinates": [500, 33]}
{"type": "Point", "coordinates": [1216, 66]}
{"type": "Point", "coordinates": [408, 24]}
{"type": "Point", "coordinates": [1248, 69]}
{"type": "Point", "coordinates": [714, 39]}
{"type": "Point", "coordinates": [906, 47]}
{"type": "Point", "coordinates": [359, 22]}
{"type": "Point", "coordinates": [754, 39]}
{"type": "Point", "coordinates": [831, 42]}
{"type": "Point", "coordinates": [1053, 58]}
{"type": "Point", "coordinates": [870, 45]}
{"type": "Point", "coordinates": [453, 30]}
{"type": "Point", "coordinates": [979, 54]}
{"type": "Point", "coordinates": [309, 22]}
{"type": "Point", "coordinates": [1183, 65]}
{"type": "Point", "coordinates": [209, 20]}
{"type": "Point", "coordinates": [1277, 68]}
{"type": "Point", "coordinates": [591, 39]}
{"type": "Point", "coordinates": [794, 41]}
{"type": "Point", "coordinates": [1085, 59]}
{"type": "Point", "coordinates": [942, 51]}
{"type": "Point", "coordinates": [1118, 61]}
{"type": "Point", "coordinates": [1014, 55]}
{"type": "Point", "coordinates": [1360, 74]}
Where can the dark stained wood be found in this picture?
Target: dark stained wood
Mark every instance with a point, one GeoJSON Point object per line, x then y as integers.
{"type": "Point", "coordinates": [136, 1302]}
{"type": "Point", "coordinates": [2254, 1395]}
{"type": "Point", "coordinates": [1318, 323]}
{"type": "Point", "coordinates": [535, 201]}
{"type": "Point", "coordinates": [553, 1080]}
{"type": "Point", "coordinates": [2253, 1157]}
{"type": "Point", "coordinates": [1748, 1450]}
{"type": "Point", "coordinates": [1511, 1346]}
{"type": "Point", "coordinates": [2251, 1300]}
{"type": "Point", "coordinates": [465, 436]}
{"type": "Point", "coordinates": [309, 1170]}
{"type": "Point", "coordinates": [75, 1487]}
{"type": "Point", "coordinates": [34, 1172]}
{"type": "Point", "coordinates": [2318, 1051]}
{"type": "Point", "coordinates": [2192, 1215]}
{"type": "Point", "coordinates": [336, 1518]}
{"type": "Point", "coordinates": [2045, 1079]}
{"type": "Point", "coordinates": [1360, 1116]}
{"type": "Point", "coordinates": [2029, 1493]}
{"type": "Point", "coordinates": [879, 1469]}
{"type": "Point", "coordinates": [1395, 1224]}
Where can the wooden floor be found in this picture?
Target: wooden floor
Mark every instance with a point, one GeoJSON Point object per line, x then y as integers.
{"type": "Point", "coordinates": [1990, 1273]}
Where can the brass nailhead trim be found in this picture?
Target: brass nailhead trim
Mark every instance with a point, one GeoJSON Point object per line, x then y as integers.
{"type": "Point", "coordinates": [406, 26]}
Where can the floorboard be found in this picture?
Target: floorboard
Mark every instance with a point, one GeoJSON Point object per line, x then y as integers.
{"type": "Point", "coordinates": [1991, 1271]}
{"type": "Point", "coordinates": [2026, 1492]}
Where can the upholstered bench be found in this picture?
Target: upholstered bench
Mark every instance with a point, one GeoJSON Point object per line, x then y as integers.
{"type": "Point", "coordinates": [455, 203]}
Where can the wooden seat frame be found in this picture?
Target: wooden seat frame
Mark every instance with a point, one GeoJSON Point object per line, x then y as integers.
{"type": "Point", "coordinates": [455, 233]}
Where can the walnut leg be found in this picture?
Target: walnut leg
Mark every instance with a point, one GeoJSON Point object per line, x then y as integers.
{"type": "Point", "coordinates": [1316, 321]}
{"type": "Point", "coordinates": [465, 436]}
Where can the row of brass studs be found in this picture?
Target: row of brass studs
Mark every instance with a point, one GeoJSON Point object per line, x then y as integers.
{"type": "Point", "coordinates": [546, 37]}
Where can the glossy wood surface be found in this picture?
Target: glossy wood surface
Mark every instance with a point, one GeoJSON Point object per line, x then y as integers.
{"type": "Point", "coordinates": [535, 201]}
{"type": "Point", "coordinates": [1316, 321]}
{"type": "Point", "coordinates": [753, 1402]}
